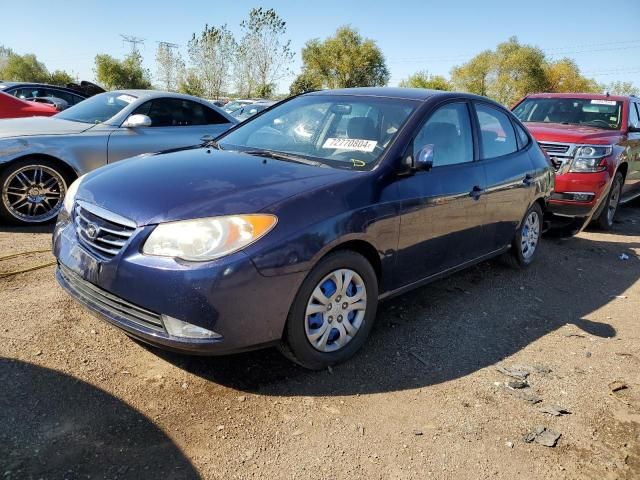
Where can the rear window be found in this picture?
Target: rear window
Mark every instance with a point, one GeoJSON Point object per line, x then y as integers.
{"type": "Point", "coordinates": [605, 114]}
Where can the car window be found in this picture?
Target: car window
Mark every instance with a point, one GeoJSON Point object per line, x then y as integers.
{"type": "Point", "coordinates": [28, 92]}
{"type": "Point", "coordinates": [497, 137]}
{"type": "Point", "coordinates": [522, 136]}
{"type": "Point", "coordinates": [448, 130]}
{"type": "Point", "coordinates": [70, 98]}
{"type": "Point", "coordinates": [634, 116]}
{"type": "Point", "coordinates": [176, 112]}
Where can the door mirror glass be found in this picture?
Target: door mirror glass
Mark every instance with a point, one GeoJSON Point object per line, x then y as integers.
{"type": "Point", "coordinates": [424, 158]}
{"type": "Point", "coordinates": [136, 121]}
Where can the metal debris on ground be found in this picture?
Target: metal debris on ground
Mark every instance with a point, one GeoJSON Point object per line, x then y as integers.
{"type": "Point", "coordinates": [555, 410]}
{"type": "Point", "coordinates": [542, 436]}
{"type": "Point", "coordinates": [520, 373]}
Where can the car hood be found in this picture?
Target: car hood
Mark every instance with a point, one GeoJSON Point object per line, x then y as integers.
{"type": "Point", "coordinates": [197, 182]}
{"type": "Point", "coordinates": [34, 126]}
{"type": "Point", "coordinates": [558, 132]}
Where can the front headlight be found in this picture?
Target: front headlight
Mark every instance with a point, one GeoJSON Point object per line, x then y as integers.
{"type": "Point", "coordinates": [206, 239]}
{"type": "Point", "coordinates": [589, 158]}
{"type": "Point", "coordinates": [70, 197]}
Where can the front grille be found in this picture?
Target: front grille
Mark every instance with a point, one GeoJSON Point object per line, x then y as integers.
{"type": "Point", "coordinates": [555, 148]}
{"type": "Point", "coordinates": [100, 231]}
{"type": "Point", "coordinates": [95, 296]}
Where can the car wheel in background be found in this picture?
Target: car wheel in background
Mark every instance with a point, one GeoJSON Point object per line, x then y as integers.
{"type": "Point", "coordinates": [333, 312]}
{"type": "Point", "coordinates": [32, 191]}
{"type": "Point", "coordinates": [608, 213]}
{"type": "Point", "coordinates": [525, 244]}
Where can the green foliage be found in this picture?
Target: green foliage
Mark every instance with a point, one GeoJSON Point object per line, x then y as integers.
{"type": "Point", "coordinates": [622, 88]}
{"type": "Point", "coordinates": [304, 83]}
{"type": "Point", "coordinates": [424, 79]}
{"type": "Point", "coordinates": [60, 77]}
{"type": "Point", "coordinates": [170, 66]}
{"type": "Point", "coordinates": [191, 85]}
{"type": "Point", "coordinates": [265, 91]}
{"type": "Point", "coordinates": [24, 68]}
{"type": "Point", "coordinates": [343, 61]}
{"type": "Point", "coordinates": [114, 74]}
{"type": "Point", "coordinates": [514, 70]}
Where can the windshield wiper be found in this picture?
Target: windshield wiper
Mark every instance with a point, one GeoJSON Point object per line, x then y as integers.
{"type": "Point", "coordinates": [284, 156]}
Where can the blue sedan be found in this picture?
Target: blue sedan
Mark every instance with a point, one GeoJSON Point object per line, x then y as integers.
{"type": "Point", "coordinates": [291, 227]}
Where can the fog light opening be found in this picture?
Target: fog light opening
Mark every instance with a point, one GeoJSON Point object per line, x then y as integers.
{"type": "Point", "coordinates": [180, 329]}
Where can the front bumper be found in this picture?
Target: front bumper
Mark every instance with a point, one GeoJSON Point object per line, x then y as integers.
{"type": "Point", "coordinates": [132, 291]}
{"type": "Point", "coordinates": [566, 183]}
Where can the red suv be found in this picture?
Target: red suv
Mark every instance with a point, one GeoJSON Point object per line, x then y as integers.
{"type": "Point", "coordinates": [594, 144]}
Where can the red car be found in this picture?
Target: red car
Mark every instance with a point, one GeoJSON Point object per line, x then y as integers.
{"type": "Point", "coordinates": [594, 144]}
{"type": "Point", "coordinates": [12, 107]}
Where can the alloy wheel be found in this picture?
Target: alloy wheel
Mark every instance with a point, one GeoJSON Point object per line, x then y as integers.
{"type": "Point", "coordinates": [530, 235]}
{"type": "Point", "coordinates": [336, 310]}
{"type": "Point", "coordinates": [34, 193]}
{"type": "Point", "coordinates": [614, 199]}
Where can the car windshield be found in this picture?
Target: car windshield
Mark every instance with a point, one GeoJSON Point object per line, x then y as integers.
{"type": "Point", "coordinates": [98, 108]}
{"type": "Point", "coordinates": [339, 131]}
{"type": "Point", "coordinates": [606, 114]}
{"type": "Point", "coordinates": [235, 105]}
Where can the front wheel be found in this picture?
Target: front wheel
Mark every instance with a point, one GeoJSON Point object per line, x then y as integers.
{"type": "Point", "coordinates": [525, 243]}
{"type": "Point", "coordinates": [31, 191]}
{"type": "Point", "coordinates": [333, 312]}
{"type": "Point", "coordinates": [608, 213]}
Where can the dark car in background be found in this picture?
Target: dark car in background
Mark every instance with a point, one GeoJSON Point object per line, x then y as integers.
{"type": "Point", "coordinates": [248, 111]}
{"type": "Point", "coordinates": [594, 143]}
{"type": "Point", "coordinates": [269, 237]}
{"type": "Point", "coordinates": [61, 97]}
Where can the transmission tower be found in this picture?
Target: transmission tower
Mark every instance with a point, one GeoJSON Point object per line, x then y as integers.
{"type": "Point", "coordinates": [133, 41]}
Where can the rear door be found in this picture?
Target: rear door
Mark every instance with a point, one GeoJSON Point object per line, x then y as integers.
{"type": "Point", "coordinates": [175, 123]}
{"type": "Point", "coordinates": [509, 171]}
{"type": "Point", "coordinates": [443, 209]}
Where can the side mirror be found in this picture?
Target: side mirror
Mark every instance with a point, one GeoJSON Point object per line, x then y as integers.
{"type": "Point", "coordinates": [136, 121]}
{"type": "Point", "coordinates": [424, 158]}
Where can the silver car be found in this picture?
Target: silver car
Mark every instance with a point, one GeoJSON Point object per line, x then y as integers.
{"type": "Point", "coordinates": [40, 157]}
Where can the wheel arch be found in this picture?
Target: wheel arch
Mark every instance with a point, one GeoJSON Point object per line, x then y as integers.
{"type": "Point", "coordinates": [364, 248]}
{"type": "Point", "coordinates": [70, 173]}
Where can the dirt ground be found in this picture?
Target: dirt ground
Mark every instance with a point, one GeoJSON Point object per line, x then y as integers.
{"type": "Point", "coordinates": [424, 399]}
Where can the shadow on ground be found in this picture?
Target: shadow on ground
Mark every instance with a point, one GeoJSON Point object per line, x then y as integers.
{"type": "Point", "coordinates": [55, 426]}
{"type": "Point", "coordinates": [453, 327]}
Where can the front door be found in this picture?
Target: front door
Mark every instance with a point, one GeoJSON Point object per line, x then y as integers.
{"type": "Point", "coordinates": [443, 209]}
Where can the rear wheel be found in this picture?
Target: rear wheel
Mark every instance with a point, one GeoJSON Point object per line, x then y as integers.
{"type": "Point", "coordinates": [608, 213]}
{"type": "Point", "coordinates": [333, 312]}
{"type": "Point", "coordinates": [525, 243]}
{"type": "Point", "coordinates": [32, 191]}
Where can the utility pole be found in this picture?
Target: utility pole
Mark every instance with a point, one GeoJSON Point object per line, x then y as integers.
{"type": "Point", "coordinates": [134, 41]}
{"type": "Point", "coordinates": [168, 64]}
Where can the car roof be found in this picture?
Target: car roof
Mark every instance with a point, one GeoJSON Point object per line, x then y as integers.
{"type": "Point", "coordinates": [150, 94]}
{"type": "Point", "coordinates": [420, 94]}
{"type": "Point", "coordinates": [587, 96]}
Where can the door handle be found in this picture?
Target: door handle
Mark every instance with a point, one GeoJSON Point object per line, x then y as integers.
{"type": "Point", "coordinates": [476, 192]}
{"type": "Point", "coordinates": [528, 179]}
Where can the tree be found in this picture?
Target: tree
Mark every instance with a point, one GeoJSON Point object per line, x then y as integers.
{"type": "Point", "coordinates": [24, 68]}
{"type": "Point", "coordinates": [190, 84]}
{"type": "Point", "coordinates": [622, 88]}
{"type": "Point", "coordinates": [169, 66]}
{"type": "Point", "coordinates": [118, 74]}
{"type": "Point", "coordinates": [60, 77]}
{"type": "Point", "coordinates": [210, 57]}
{"type": "Point", "coordinates": [342, 61]}
{"type": "Point", "coordinates": [304, 83]}
{"type": "Point", "coordinates": [424, 79]}
{"type": "Point", "coordinates": [264, 55]}
{"type": "Point", "coordinates": [474, 76]}
{"type": "Point", "coordinates": [564, 76]}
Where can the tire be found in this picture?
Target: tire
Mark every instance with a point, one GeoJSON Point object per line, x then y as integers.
{"type": "Point", "coordinates": [607, 215]}
{"type": "Point", "coordinates": [526, 241]}
{"type": "Point", "coordinates": [32, 191]}
{"type": "Point", "coordinates": [301, 329]}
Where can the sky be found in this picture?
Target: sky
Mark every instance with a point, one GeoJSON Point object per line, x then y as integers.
{"type": "Point", "coordinates": [413, 34]}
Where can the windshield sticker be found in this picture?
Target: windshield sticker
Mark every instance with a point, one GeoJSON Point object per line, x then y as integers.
{"type": "Point", "coordinates": [351, 144]}
{"type": "Point", "coordinates": [126, 98]}
{"type": "Point", "coordinates": [603, 102]}
{"type": "Point", "coordinates": [358, 163]}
